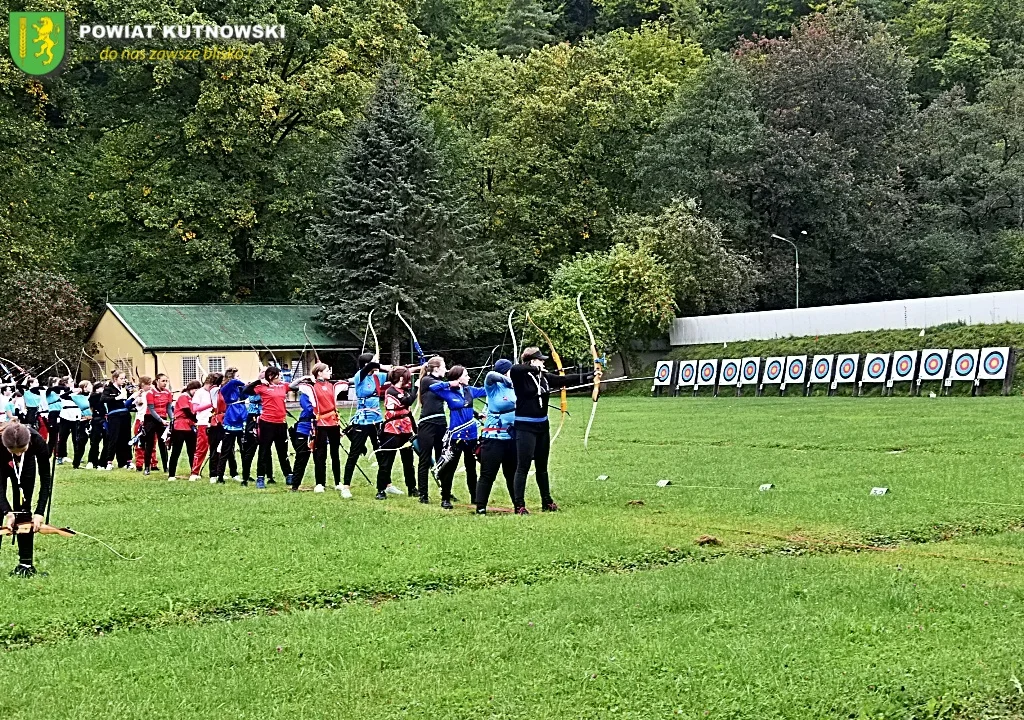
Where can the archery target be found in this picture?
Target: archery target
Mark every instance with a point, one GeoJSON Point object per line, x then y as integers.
{"type": "Point", "coordinates": [707, 372]}
{"type": "Point", "coordinates": [687, 373]}
{"type": "Point", "coordinates": [730, 372]}
{"type": "Point", "coordinates": [774, 371]}
{"type": "Point", "coordinates": [904, 362]}
{"type": "Point", "coordinates": [965, 364]}
{"type": "Point", "coordinates": [750, 371]}
{"type": "Point", "coordinates": [994, 362]}
{"type": "Point", "coordinates": [846, 368]}
{"type": "Point", "coordinates": [876, 368]}
{"type": "Point", "coordinates": [663, 373]}
{"type": "Point", "coordinates": [933, 364]}
{"type": "Point", "coordinates": [796, 368]}
{"type": "Point", "coordinates": [821, 368]}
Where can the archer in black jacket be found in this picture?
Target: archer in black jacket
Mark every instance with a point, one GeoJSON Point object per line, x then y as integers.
{"type": "Point", "coordinates": [24, 457]}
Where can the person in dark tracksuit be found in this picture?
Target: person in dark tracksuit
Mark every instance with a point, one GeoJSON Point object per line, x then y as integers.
{"type": "Point", "coordinates": [24, 460]}
{"type": "Point", "coordinates": [97, 429]}
{"type": "Point", "coordinates": [119, 421]}
{"type": "Point", "coordinates": [533, 386]}
{"type": "Point", "coordinates": [303, 432]}
{"type": "Point", "coordinates": [462, 433]}
{"type": "Point", "coordinates": [497, 437]}
{"type": "Point", "coordinates": [250, 441]}
{"type": "Point", "coordinates": [432, 425]}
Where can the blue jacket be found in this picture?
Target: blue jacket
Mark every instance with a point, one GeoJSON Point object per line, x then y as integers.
{"type": "Point", "coordinates": [367, 398]}
{"type": "Point", "coordinates": [307, 410]}
{"type": "Point", "coordinates": [234, 415]}
{"type": "Point", "coordinates": [501, 408]}
{"type": "Point", "coordinates": [460, 407]}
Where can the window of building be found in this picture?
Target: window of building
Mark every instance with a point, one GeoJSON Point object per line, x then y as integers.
{"type": "Point", "coordinates": [216, 364]}
{"type": "Point", "coordinates": [98, 370]}
{"type": "Point", "coordinates": [189, 369]}
{"type": "Point", "coordinates": [125, 365]}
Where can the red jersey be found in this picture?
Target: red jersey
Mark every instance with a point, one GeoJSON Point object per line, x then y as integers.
{"type": "Point", "coordinates": [273, 402]}
{"type": "Point", "coordinates": [183, 417]}
{"type": "Point", "coordinates": [325, 405]}
{"type": "Point", "coordinates": [220, 407]}
{"type": "Point", "coordinates": [397, 418]}
{"type": "Point", "coordinates": [159, 400]}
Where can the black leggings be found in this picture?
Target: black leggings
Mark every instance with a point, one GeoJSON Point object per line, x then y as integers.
{"type": "Point", "coordinates": [151, 431]}
{"type": "Point", "coordinates": [327, 437]}
{"type": "Point", "coordinates": [430, 440]}
{"type": "Point", "coordinates": [215, 440]}
{"type": "Point", "coordinates": [225, 459]}
{"type": "Point", "coordinates": [533, 444]}
{"type": "Point", "coordinates": [466, 449]}
{"type": "Point", "coordinates": [276, 435]}
{"type": "Point", "coordinates": [96, 441]}
{"type": "Point", "coordinates": [357, 437]}
{"type": "Point", "coordinates": [495, 455]}
{"type": "Point", "coordinates": [118, 429]}
{"type": "Point", "coordinates": [53, 428]}
{"type": "Point", "coordinates": [390, 446]}
{"type": "Point", "coordinates": [179, 438]}
{"type": "Point", "coordinates": [249, 444]}
{"type": "Point", "coordinates": [300, 442]}
{"type": "Point", "coordinates": [68, 430]}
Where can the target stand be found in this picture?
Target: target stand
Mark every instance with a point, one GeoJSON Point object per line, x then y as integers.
{"type": "Point", "coordinates": [904, 368]}
{"type": "Point", "coordinates": [664, 371]}
{"type": "Point", "coordinates": [963, 367]}
{"type": "Point", "coordinates": [996, 364]}
{"type": "Point", "coordinates": [933, 367]}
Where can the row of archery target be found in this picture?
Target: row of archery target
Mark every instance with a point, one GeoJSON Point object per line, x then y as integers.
{"type": "Point", "coordinates": [942, 365]}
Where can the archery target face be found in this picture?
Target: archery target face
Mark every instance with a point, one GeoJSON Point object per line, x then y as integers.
{"type": "Point", "coordinates": [750, 371]}
{"type": "Point", "coordinates": [730, 372]}
{"type": "Point", "coordinates": [687, 372]}
{"type": "Point", "coordinates": [707, 372]}
{"type": "Point", "coordinates": [774, 371]}
{"type": "Point", "coordinates": [965, 364]}
{"type": "Point", "coordinates": [904, 362]}
{"type": "Point", "coordinates": [933, 364]}
{"type": "Point", "coordinates": [663, 372]}
{"type": "Point", "coordinates": [821, 368]}
{"type": "Point", "coordinates": [846, 368]}
{"type": "Point", "coordinates": [876, 368]}
{"type": "Point", "coordinates": [796, 368]}
{"type": "Point", "coordinates": [994, 362]}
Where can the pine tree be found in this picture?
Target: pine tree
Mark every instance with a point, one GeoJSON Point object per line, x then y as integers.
{"type": "Point", "coordinates": [524, 28]}
{"type": "Point", "coordinates": [393, 232]}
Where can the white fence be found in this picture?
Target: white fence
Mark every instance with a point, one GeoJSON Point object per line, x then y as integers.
{"type": "Point", "coordinates": [982, 309]}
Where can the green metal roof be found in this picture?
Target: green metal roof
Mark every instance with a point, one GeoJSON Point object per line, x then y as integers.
{"type": "Point", "coordinates": [223, 327]}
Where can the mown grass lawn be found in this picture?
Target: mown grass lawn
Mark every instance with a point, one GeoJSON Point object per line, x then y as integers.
{"type": "Point", "coordinates": [820, 601]}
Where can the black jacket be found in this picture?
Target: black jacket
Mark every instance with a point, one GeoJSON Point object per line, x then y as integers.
{"type": "Point", "coordinates": [36, 463]}
{"type": "Point", "coordinates": [432, 404]}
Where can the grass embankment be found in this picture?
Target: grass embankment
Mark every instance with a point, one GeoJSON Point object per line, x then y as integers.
{"type": "Point", "coordinates": [811, 606]}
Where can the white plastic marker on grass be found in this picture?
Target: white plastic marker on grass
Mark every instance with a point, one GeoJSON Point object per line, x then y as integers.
{"type": "Point", "coordinates": [664, 483]}
{"type": "Point", "coordinates": [880, 491]}
{"type": "Point", "coordinates": [766, 487]}
{"type": "Point", "coordinates": [602, 477]}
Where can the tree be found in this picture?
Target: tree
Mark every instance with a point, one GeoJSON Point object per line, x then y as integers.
{"type": "Point", "coordinates": [547, 144]}
{"type": "Point", "coordinates": [525, 27]}
{"type": "Point", "coordinates": [627, 296]}
{"type": "Point", "coordinates": [706, 276]}
{"type": "Point", "coordinates": [393, 231]}
{"type": "Point", "coordinates": [31, 332]}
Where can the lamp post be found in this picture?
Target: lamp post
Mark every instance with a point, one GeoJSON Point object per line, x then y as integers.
{"type": "Point", "coordinates": [796, 252]}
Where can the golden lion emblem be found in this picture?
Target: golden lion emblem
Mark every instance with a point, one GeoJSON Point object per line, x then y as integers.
{"type": "Point", "coordinates": [44, 28]}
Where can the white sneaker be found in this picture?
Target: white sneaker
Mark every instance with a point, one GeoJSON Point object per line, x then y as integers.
{"type": "Point", "coordinates": [392, 490]}
{"type": "Point", "coordinates": [193, 478]}
{"type": "Point", "coordinates": [109, 467]}
{"type": "Point", "coordinates": [88, 466]}
{"type": "Point", "coordinates": [346, 493]}
{"type": "Point", "coordinates": [67, 460]}
{"type": "Point", "coordinates": [337, 486]}
{"type": "Point", "coordinates": [213, 481]}
{"type": "Point", "coordinates": [319, 489]}
{"type": "Point", "coordinates": [238, 478]}
{"type": "Point", "coordinates": [171, 479]}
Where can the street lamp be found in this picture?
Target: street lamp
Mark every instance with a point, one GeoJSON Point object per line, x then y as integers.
{"type": "Point", "coordinates": [796, 252]}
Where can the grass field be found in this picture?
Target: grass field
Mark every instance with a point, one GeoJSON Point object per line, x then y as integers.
{"type": "Point", "coordinates": [818, 600]}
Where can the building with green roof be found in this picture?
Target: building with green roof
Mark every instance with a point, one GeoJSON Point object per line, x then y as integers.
{"type": "Point", "coordinates": [188, 341]}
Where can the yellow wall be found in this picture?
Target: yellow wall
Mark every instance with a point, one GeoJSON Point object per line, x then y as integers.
{"type": "Point", "coordinates": [116, 344]}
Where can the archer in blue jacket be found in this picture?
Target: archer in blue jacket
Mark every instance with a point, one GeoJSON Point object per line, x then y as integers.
{"type": "Point", "coordinates": [461, 439]}
{"type": "Point", "coordinates": [498, 444]}
{"type": "Point", "coordinates": [233, 422]}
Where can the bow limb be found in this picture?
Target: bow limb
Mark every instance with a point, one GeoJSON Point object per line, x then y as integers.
{"type": "Point", "coordinates": [562, 395]}
{"type": "Point", "coordinates": [376, 343]}
{"type": "Point", "coordinates": [512, 332]}
{"type": "Point", "coordinates": [310, 343]}
{"type": "Point", "coordinates": [67, 368]}
{"type": "Point", "coordinates": [598, 369]}
{"type": "Point", "coordinates": [415, 342]}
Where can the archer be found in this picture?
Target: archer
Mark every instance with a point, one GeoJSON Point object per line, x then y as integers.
{"type": "Point", "coordinates": [24, 455]}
